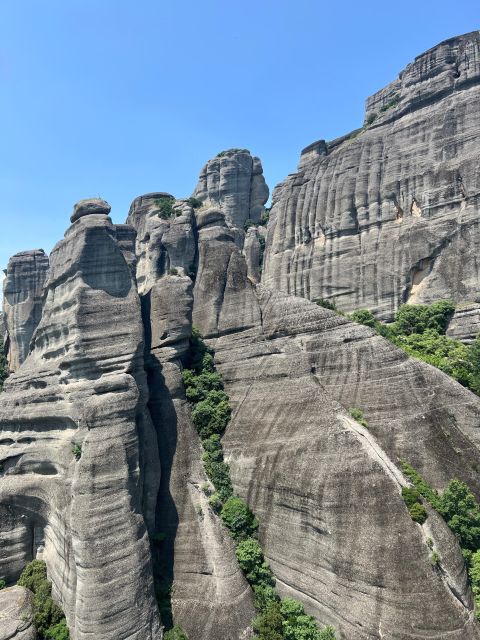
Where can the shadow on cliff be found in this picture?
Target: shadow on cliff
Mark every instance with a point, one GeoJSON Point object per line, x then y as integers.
{"type": "Point", "coordinates": [164, 417]}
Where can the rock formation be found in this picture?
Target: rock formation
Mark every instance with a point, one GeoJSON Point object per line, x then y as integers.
{"type": "Point", "coordinates": [211, 599]}
{"type": "Point", "coordinates": [79, 456]}
{"type": "Point", "coordinates": [292, 370]}
{"type": "Point", "coordinates": [234, 182]}
{"type": "Point", "coordinates": [389, 213]}
{"type": "Point", "coordinates": [22, 302]}
{"type": "Point", "coordinates": [101, 467]}
{"type": "Point", "coordinates": [16, 614]}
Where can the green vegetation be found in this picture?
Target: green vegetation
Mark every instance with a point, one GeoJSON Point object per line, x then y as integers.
{"type": "Point", "coordinates": [418, 513]}
{"type": "Point", "coordinates": [277, 620]}
{"type": "Point", "coordinates": [420, 331]}
{"type": "Point", "coordinates": [173, 271]}
{"type": "Point", "coordinates": [390, 104]}
{"type": "Point", "coordinates": [248, 223]}
{"type": "Point", "coordinates": [461, 512]}
{"type": "Point", "coordinates": [3, 365]}
{"type": "Point", "coordinates": [410, 496]}
{"type": "Point", "coordinates": [175, 633]}
{"type": "Point", "coordinates": [238, 518]}
{"type": "Point", "coordinates": [326, 304]}
{"type": "Point", "coordinates": [265, 216]}
{"type": "Point", "coordinates": [195, 203]}
{"type": "Point", "coordinates": [3, 584]}
{"type": "Point", "coordinates": [371, 119]}
{"type": "Point", "coordinates": [158, 537]}
{"type": "Point", "coordinates": [165, 207]}
{"type": "Point", "coordinates": [48, 617]}
{"type": "Point", "coordinates": [474, 575]}
{"type": "Point", "coordinates": [357, 415]}
{"type": "Point", "coordinates": [434, 559]}
{"type": "Point", "coordinates": [228, 152]}
{"type": "Point", "coordinates": [77, 450]}
{"type": "Point", "coordinates": [420, 485]}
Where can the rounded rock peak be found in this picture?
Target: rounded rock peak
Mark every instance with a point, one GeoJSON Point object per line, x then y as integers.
{"type": "Point", "coordinates": [89, 207]}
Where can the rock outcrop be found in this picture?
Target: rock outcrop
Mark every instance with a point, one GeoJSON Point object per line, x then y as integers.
{"type": "Point", "coordinates": [350, 550]}
{"type": "Point", "coordinates": [16, 614]}
{"type": "Point", "coordinates": [22, 302]}
{"type": "Point", "coordinates": [211, 599]}
{"type": "Point", "coordinates": [101, 467]}
{"type": "Point", "coordinates": [389, 213]}
{"type": "Point", "coordinates": [163, 243]}
{"type": "Point", "coordinates": [79, 455]}
{"type": "Point", "coordinates": [234, 182]}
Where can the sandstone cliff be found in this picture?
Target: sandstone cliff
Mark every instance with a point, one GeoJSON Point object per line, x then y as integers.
{"type": "Point", "coordinates": [22, 302]}
{"type": "Point", "coordinates": [389, 213]}
{"type": "Point", "coordinates": [101, 473]}
{"type": "Point", "coordinates": [80, 465]}
{"type": "Point", "coordinates": [350, 550]}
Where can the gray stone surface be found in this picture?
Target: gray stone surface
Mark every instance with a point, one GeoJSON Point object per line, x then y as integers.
{"type": "Point", "coordinates": [235, 183]}
{"type": "Point", "coordinates": [161, 244]}
{"type": "Point", "coordinates": [22, 302]}
{"type": "Point", "coordinates": [390, 214]}
{"type": "Point", "coordinates": [465, 324]}
{"type": "Point", "coordinates": [83, 382]}
{"type": "Point", "coordinates": [16, 614]}
{"type": "Point", "coordinates": [88, 207]}
{"type": "Point", "coordinates": [251, 249]}
{"type": "Point", "coordinates": [386, 215]}
{"type": "Point", "coordinates": [211, 599]}
{"type": "Point", "coordinates": [326, 490]}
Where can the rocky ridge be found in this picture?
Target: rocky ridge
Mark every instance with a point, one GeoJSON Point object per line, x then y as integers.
{"type": "Point", "coordinates": [101, 465]}
{"type": "Point", "coordinates": [389, 213]}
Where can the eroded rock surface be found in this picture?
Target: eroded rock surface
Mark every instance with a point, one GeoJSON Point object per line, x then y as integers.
{"type": "Point", "coordinates": [16, 614]}
{"type": "Point", "coordinates": [22, 302]}
{"type": "Point", "coordinates": [350, 550]}
{"type": "Point", "coordinates": [211, 599]}
{"type": "Point", "coordinates": [162, 244]}
{"type": "Point", "coordinates": [79, 455]}
{"type": "Point", "coordinates": [234, 182]}
{"type": "Point", "coordinates": [390, 213]}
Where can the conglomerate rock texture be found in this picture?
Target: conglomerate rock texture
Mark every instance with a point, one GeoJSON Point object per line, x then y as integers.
{"type": "Point", "coordinates": [390, 213]}
{"type": "Point", "coordinates": [22, 302]}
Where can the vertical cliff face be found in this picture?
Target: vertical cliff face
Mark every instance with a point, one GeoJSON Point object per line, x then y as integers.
{"type": "Point", "coordinates": [234, 182]}
{"type": "Point", "coordinates": [327, 491]}
{"type": "Point", "coordinates": [210, 598]}
{"type": "Point", "coordinates": [389, 213]}
{"type": "Point", "coordinates": [98, 451]}
{"type": "Point", "coordinates": [79, 456]}
{"type": "Point", "coordinates": [22, 302]}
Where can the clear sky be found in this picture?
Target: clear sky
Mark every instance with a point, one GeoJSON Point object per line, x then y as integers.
{"type": "Point", "coordinates": [121, 97]}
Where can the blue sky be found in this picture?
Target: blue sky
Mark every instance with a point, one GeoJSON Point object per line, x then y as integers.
{"type": "Point", "coordinates": [117, 98]}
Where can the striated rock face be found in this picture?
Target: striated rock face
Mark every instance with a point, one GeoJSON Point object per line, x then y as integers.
{"type": "Point", "coordinates": [84, 509]}
{"type": "Point", "coordinates": [16, 614]}
{"type": "Point", "coordinates": [162, 244]}
{"type": "Point", "coordinates": [22, 302]}
{"type": "Point", "coordinates": [326, 490]}
{"type": "Point", "coordinates": [97, 448]}
{"type": "Point", "coordinates": [465, 324]}
{"type": "Point", "coordinates": [234, 182]}
{"type": "Point", "coordinates": [211, 599]}
{"type": "Point", "coordinates": [389, 213]}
